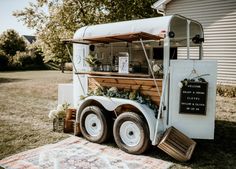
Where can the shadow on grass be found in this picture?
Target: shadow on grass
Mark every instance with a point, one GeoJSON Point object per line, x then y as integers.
{"type": "Point", "coordinates": [218, 153]}
{"type": "Point", "coordinates": [9, 80]}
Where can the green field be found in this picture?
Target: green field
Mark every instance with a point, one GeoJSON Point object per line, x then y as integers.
{"type": "Point", "coordinates": [26, 98]}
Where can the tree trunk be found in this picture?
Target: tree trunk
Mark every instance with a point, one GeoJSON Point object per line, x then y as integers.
{"type": "Point", "coordinates": [62, 67]}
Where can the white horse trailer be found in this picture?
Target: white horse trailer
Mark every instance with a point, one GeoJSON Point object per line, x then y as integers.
{"type": "Point", "coordinates": [184, 89]}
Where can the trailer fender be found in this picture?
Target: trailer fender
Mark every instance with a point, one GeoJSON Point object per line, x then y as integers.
{"type": "Point", "coordinates": [111, 104]}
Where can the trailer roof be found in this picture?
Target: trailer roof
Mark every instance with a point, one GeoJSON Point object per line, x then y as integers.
{"type": "Point", "coordinates": [147, 29]}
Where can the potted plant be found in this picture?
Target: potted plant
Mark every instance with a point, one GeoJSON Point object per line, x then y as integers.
{"type": "Point", "coordinates": [93, 62]}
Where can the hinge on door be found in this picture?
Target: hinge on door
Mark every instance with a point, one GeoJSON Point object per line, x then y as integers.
{"type": "Point", "coordinates": [164, 107]}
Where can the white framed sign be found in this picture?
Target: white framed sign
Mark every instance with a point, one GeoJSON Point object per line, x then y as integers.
{"type": "Point", "coordinates": [124, 64]}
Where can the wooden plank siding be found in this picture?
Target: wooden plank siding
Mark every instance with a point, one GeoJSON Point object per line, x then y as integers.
{"type": "Point", "coordinates": [147, 86]}
{"type": "Point", "coordinates": [219, 23]}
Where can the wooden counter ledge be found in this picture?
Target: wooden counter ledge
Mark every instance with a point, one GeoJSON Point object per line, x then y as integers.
{"type": "Point", "coordinates": [135, 75]}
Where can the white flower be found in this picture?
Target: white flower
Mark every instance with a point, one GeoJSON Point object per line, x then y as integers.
{"type": "Point", "coordinates": [60, 107]}
{"type": "Point", "coordinates": [156, 68]}
{"type": "Point", "coordinates": [180, 84]}
{"type": "Point", "coordinates": [113, 89]}
{"type": "Point", "coordinates": [52, 114]}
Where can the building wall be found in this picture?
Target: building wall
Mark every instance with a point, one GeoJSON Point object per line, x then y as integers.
{"type": "Point", "coordinates": [218, 18]}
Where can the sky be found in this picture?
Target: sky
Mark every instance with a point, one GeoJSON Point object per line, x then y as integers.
{"type": "Point", "coordinates": [7, 21]}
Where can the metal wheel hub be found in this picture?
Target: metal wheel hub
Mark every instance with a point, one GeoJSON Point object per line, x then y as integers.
{"type": "Point", "coordinates": [130, 133]}
{"type": "Point", "coordinates": [93, 125]}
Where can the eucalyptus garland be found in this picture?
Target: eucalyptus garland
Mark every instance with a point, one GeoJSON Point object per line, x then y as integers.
{"type": "Point", "coordinates": [124, 94]}
{"type": "Point", "coordinates": [186, 81]}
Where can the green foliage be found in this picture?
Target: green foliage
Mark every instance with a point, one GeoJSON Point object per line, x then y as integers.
{"type": "Point", "coordinates": [30, 59]}
{"type": "Point", "coordinates": [64, 17]}
{"type": "Point", "coordinates": [26, 59]}
{"type": "Point", "coordinates": [92, 60]}
{"type": "Point", "coordinates": [124, 94]}
{"type": "Point", "coordinates": [22, 59]}
{"type": "Point", "coordinates": [226, 91]}
{"type": "Point", "coordinates": [117, 10]}
{"type": "Point", "coordinates": [11, 42]}
{"type": "Point", "coordinates": [3, 60]}
{"type": "Point", "coordinates": [36, 52]}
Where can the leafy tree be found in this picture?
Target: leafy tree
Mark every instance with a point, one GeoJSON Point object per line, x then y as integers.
{"type": "Point", "coordinates": [22, 59]}
{"type": "Point", "coordinates": [36, 52]}
{"type": "Point", "coordinates": [32, 57]}
{"type": "Point", "coordinates": [120, 10]}
{"type": "Point", "coordinates": [64, 17]}
{"type": "Point", "coordinates": [11, 42]}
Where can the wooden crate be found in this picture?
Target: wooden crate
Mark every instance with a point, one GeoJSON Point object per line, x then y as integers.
{"type": "Point", "coordinates": [177, 145]}
{"type": "Point", "coordinates": [69, 126]}
{"type": "Point", "coordinates": [70, 114]}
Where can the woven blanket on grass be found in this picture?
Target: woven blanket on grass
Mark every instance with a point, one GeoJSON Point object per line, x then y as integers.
{"type": "Point", "coordinates": [75, 152]}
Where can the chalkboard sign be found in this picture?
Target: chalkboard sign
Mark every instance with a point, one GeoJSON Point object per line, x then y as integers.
{"type": "Point", "coordinates": [193, 98]}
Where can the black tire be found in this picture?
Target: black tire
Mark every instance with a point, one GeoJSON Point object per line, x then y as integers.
{"type": "Point", "coordinates": [134, 119]}
{"type": "Point", "coordinates": [102, 134]}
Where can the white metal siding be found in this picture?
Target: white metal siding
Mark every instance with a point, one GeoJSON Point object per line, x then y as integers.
{"type": "Point", "coordinates": [218, 18]}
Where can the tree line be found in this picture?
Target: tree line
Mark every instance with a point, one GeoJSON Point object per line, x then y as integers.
{"type": "Point", "coordinates": [15, 54]}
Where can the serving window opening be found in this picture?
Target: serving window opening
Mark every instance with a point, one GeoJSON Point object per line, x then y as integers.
{"type": "Point", "coordinates": [109, 56]}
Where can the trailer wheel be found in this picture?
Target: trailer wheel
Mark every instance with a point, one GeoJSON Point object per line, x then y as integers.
{"type": "Point", "coordinates": [94, 124]}
{"type": "Point", "coordinates": [131, 133]}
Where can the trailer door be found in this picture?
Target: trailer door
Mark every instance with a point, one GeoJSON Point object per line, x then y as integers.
{"type": "Point", "coordinates": [192, 107]}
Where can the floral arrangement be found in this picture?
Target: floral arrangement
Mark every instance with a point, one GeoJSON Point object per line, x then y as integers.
{"type": "Point", "coordinates": [60, 112]}
{"type": "Point", "coordinates": [124, 94]}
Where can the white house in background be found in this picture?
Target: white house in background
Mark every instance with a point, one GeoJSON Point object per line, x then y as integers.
{"type": "Point", "coordinates": [218, 18]}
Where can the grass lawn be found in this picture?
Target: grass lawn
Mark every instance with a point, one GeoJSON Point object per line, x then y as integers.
{"type": "Point", "coordinates": [26, 98]}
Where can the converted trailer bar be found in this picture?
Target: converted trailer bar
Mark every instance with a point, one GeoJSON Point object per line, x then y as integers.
{"type": "Point", "coordinates": [183, 81]}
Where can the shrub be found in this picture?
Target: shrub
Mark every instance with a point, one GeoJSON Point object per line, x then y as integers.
{"type": "Point", "coordinates": [11, 42]}
{"type": "Point", "coordinates": [36, 53]}
{"type": "Point", "coordinates": [23, 59]}
{"type": "Point", "coordinates": [226, 90]}
{"type": "Point", "coordinates": [3, 60]}
{"type": "Point", "coordinates": [27, 61]}
{"type": "Point", "coordinates": [38, 59]}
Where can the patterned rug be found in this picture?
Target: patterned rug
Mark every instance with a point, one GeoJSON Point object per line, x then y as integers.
{"type": "Point", "coordinates": [75, 152]}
